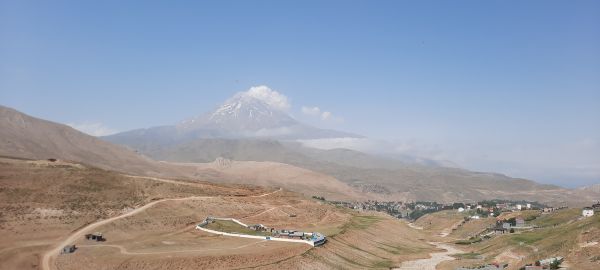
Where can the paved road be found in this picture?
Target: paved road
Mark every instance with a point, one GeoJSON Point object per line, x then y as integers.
{"type": "Point", "coordinates": [50, 255]}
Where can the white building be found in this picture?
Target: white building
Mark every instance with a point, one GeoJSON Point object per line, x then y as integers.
{"type": "Point", "coordinates": [460, 209]}
{"type": "Point", "coordinates": [519, 207]}
{"type": "Point", "coordinates": [587, 212]}
{"type": "Point", "coordinates": [528, 206]}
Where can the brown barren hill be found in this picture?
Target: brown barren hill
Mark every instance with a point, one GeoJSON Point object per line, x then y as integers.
{"type": "Point", "coordinates": [28, 137]}
{"type": "Point", "coordinates": [275, 174]}
{"type": "Point", "coordinates": [149, 224]}
{"type": "Point", "coordinates": [24, 136]}
{"type": "Point", "coordinates": [41, 202]}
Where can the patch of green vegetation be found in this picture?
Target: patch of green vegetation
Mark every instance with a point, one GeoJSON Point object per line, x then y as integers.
{"type": "Point", "coordinates": [356, 222]}
{"type": "Point", "coordinates": [232, 227]}
{"type": "Point", "coordinates": [387, 264]}
{"type": "Point", "coordinates": [471, 240]}
{"type": "Point", "coordinates": [363, 222]}
{"type": "Point", "coordinates": [557, 218]}
{"type": "Point", "coordinates": [528, 237]}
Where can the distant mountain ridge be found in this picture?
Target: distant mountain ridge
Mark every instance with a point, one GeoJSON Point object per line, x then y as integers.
{"type": "Point", "coordinates": [27, 137]}
{"type": "Point", "coordinates": [242, 116]}
{"type": "Point", "coordinates": [246, 128]}
{"type": "Point", "coordinates": [374, 176]}
{"type": "Point", "coordinates": [336, 173]}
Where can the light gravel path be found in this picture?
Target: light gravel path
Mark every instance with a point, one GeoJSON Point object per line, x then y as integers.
{"type": "Point", "coordinates": [431, 263]}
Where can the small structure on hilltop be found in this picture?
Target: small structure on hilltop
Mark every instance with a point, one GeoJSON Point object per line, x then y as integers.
{"type": "Point", "coordinates": [95, 236]}
{"type": "Point", "coordinates": [68, 249]}
{"type": "Point", "coordinates": [318, 239]}
{"type": "Point", "coordinates": [266, 233]}
{"type": "Point", "coordinates": [499, 229]}
{"type": "Point", "coordinates": [492, 266]}
{"type": "Point", "coordinates": [519, 222]}
{"type": "Point", "coordinates": [587, 212]}
{"type": "Point", "coordinates": [258, 227]}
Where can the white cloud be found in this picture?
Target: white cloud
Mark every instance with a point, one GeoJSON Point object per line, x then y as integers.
{"type": "Point", "coordinates": [358, 144]}
{"type": "Point", "coordinates": [312, 111]}
{"type": "Point", "coordinates": [94, 129]}
{"type": "Point", "coordinates": [269, 96]}
{"type": "Point", "coordinates": [270, 132]}
{"type": "Point", "coordinates": [323, 115]}
{"type": "Point", "coordinates": [326, 115]}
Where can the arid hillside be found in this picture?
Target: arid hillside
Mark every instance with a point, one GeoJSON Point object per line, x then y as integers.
{"type": "Point", "coordinates": [374, 176]}
{"type": "Point", "coordinates": [28, 137]}
{"type": "Point", "coordinates": [564, 233]}
{"type": "Point", "coordinates": [45, 203]}
{"type": "Point", "coordinates": [273, 174]}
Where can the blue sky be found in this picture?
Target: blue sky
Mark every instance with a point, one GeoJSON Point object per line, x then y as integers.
{"type": "Point", "coordinates": [506, 86]}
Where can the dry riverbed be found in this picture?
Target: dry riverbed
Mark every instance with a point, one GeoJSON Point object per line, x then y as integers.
{"type": "Point", "coordinates": [431, 263]}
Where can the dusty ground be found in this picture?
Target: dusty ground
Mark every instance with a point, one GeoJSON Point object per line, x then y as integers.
{"type": "Point", "coordinates": [44, 202]}
{"type": "Point", "coordinates": [435, 259]}
{"type": "Point", "coordinates": [149, 224]}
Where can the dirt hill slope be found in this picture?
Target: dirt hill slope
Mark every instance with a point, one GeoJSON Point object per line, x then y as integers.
{"type": "Point", "coordinates": [28, 137]}
{"type": "Point", "coordinates": [163, 236]}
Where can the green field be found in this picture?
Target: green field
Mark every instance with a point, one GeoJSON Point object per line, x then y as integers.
{"type": "Point", "coordinates": [232, 227]}
{"type": "Point", "coordinates": [557, 236]}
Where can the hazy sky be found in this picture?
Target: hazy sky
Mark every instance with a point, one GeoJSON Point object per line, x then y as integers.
{"type": "Point", "coordinates": [506, 86]}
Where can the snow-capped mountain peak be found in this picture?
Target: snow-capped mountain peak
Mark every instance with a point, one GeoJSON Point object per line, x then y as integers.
{"type": "Point", "coordinates": [242, 112]}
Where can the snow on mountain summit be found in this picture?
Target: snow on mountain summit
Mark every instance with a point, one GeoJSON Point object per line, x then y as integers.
{"type": "Point", "coordinates": [257, 113]}
{"type": "Point", "coordinates": [256, 109]}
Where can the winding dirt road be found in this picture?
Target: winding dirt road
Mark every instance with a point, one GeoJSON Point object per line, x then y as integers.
{"type": "Point", "coordinates": [50, 255]}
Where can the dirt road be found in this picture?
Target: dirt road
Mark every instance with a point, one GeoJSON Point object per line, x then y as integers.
{"type": "Point", "coordinates": [49, 256]}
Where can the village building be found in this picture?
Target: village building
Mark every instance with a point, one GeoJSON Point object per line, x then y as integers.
{"type": "Point", "coordinates": [500, 230]}
{"type": "Point", "coordinates": [485, 267]}
{"type": "Point", "coordinates": [519, 222]}
{"type": "Point", "coordinates": [502, 205]}
{"type": "Point", "coordinates": [548, 209]}
{"type": "Point", "coordinates": [95, 237]}
{"type": "Point", "coordinates": [69, 249]}
{"type": "Point", "coordinates": [587, 212]}
{"type": "Point", "coordinates": [258, 227]}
